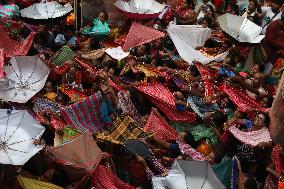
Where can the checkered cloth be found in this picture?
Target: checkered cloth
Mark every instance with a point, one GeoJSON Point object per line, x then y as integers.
{"type": "Point", "coordinates": [160, 127]}
{"type": "Point", "coordinates": [104, 178]}
{"type": "Point", "coordinates": [63, 55]}
{"type": "Point", "coordinates": [123, 129]}
{"type": "Point", "coordinates": [12, 47]}
{"type": "Point", "coordinates": [84, 115]}
{"type": "Point", "coordinates": [140, 34]}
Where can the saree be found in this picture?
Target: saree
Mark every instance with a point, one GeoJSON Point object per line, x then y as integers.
{"type": "Point", "coordinates": [63, 55]}
{"type": "Point", "coordinates": [84, 115]}
{"type": "Point", "coordinates": [100, 29]}
{"type": "Point", "coordinates": [43, 105]}
{"type": "Point", "coordinates": [199, 107]}
{"type": "Point", "coordinates": [199, 132]}
{"type": "Point", "coordinates": [72, 93]}
{"type": "Point", "coordinates": [28, 183]}
{"type": "Point", "coordinates": [252, 138]}
{"type": "Point", "coordinates": [157, 125]}
{"type": "Point", "coordinates": [241, 99]}
{"type": "Point", "coordinates": [9, 11]}
{"type": "Point", "coordinates": [123, 129]}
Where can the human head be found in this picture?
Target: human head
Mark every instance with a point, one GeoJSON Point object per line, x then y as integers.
{"type": "Point", "coordinates": [252, 5]}
{"type": "Point", "coordinates": [258, 68]}
{"type": "Point", "coordinates": [49, 87]}
{"type": "Point", "coordinates": [103, 16]}
{"type": "Point", "coordinates": [41, 29]}
{"type": "Point", "coordinates": [276, 5]}
{"type": "Point", "coordinates": [266, 102]}
{"type": "Point", "coordinates": [69, 32]}
{"type": "Point", "coordinates": [215, 118]}
{"type": "Point", "coordinates": [56, 29]}
{"type": "Point", "coordinates": [188, 138]}
{"type": "Point", "coordinates": [192, 18]}
{"type": "Point", "coordinates": [261, 120]}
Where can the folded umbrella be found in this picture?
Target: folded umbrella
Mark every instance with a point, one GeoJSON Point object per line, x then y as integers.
{"type": "Point", "coordinates": [26, 75]}
{"type": "Point", "coordinates": [240, 28]}
{"type": "Point", "coordinates": [18, 129]}
{"type": "Point", "coordinates": [140, 9]}
{"type": "Point", "coordinates": [46, 10]}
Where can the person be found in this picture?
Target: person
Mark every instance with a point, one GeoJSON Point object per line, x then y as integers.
{"type": "Point", "coordinates": [271, 13]}
{"type": "Point", "coordinates": [252, 13]}
{"type": "Point", "coordinates": [67, 38]}
{"type": "Point", "coordinates": [43, 39]}
{"type": "Point", "coordinates": [49, 91]}
{"type": "Point", "coordinates": [274, 39]}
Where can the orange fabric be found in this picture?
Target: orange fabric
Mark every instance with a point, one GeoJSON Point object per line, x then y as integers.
{"type": "Point", "coordinates": [71, 19]}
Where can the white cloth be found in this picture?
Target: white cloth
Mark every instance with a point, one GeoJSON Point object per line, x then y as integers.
{"type": "Point", "coordinates": [268, 15]}
{"type": "Point", "coordinates": [199, 3]}
{"type": "Point", "coordinates": [187, 37]}
{"type": "Point", "coordinates": [117, 53]}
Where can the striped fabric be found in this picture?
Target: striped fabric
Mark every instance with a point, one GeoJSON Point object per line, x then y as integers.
{"type": "Point", "coordinates": [64, 54]}
{"type": "Point", "coordinates": [123, 129]}
{"type": "Point", "coordinates": [84, 115]}
{"type": "Point", "coordinates": [29, 183]}
{"type": "Point", "coordinates": [9, 11]}
{"type": "Point", "coordinates": [160, 127]}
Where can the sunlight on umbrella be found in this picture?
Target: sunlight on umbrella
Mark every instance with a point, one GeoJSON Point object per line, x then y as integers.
{"type": "Point", "coordinates": [25, 76]}
{"type": "Point", "coordinates": [18, 129]}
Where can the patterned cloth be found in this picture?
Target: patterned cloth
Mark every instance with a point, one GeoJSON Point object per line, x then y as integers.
{"type": "Point", "coordinates": [140, 34]}
{"type": "Point", "coordinates": [241, 99]}
{"type": "Point", "coordinates": [191, 152]}
{"type": "Point", "coordinates": [123, 129]}
{"type": "Point", "coordinates": [252, 138]}
{"type": "Point", "coordinates": [104, 178]}
{"type": "Point", "coordinates": [9, 10]}
{"type": "Point", "coordinates": [29, 183]}
{"type": "Point", "coordinates": [160, 127]}
{"type": "Point", "coordinates": [15, 48]}
{"type": "Point", "coordinates": [202, 132]}
{"type": "Point", "coordinates": [99, 28]}
{"type": "Point", "coordinates": [95, 54]}
{"type": "Point", "coordinates": [84, 115]}
{"type": "Point", "coordinates": [64, 54]}
{"type": "Point", "coordinates": [2, 56]}
{"type": "Point", "coordinates": [42, 105]}
{"type": "Point", "coordinates": [159, 92]}
{"type": "Point", "coordinates": [199, 107]}
{"type": "Point", "coordinates": [72, 93]}
{"type": "Point", "coordinates": [127, 107]}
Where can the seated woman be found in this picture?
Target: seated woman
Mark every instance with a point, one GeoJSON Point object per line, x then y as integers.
{"type": "Point", "coordinates": [99, 28]}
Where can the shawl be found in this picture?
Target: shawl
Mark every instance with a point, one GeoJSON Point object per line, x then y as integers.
{"type": "Point", "coordinates": [198, 131]}
{"type": "Point", "coordinates": [99, 28]}
{"type": "Point", "coordinates": [241, 99]}
{"type": "Point", "coordinates": [199, 107]}
{"type": "Point", "coordinates": [123, 129]}
{"type": "Point", "coordinates": [104, 178]}
{"type": "Point", "coordinates": [191, 152]}
{"type": "Point", "coordinates": [84, 115]}
{"type": "Point", "coordinates": [63, 55]}
{"type": "Point", "coordinates": [227, 172]}
{"type": "Point", "coordinates": [127, 107]}
{"type": "Point", "coordinates": [252, 138]}
{"type": "Point", "coordinates": [42, 105]}
{"type": "Point", "coordinates": [29, 183]}
{"type": "Point", "coordinates": [95, 54]}
{"type": "Point", "coordinates": [73, 94]}
{"type": "Point", "coordinates": [9, 10]}
{"type": "Point", "coordinates": [160, 127]}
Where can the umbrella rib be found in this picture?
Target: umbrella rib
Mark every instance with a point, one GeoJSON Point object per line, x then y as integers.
{"type": "Point", "coordinates": [8, 156]}
{"type": "Point", "coordinates": [17, 150]}
{"type": "Point", "coordinates": [15, 72]}
{"type": "Point", "coordinates": [20, 141]}
{"type": "Point", "coordinates": [205, 176]}
{"type": "Point", "coordinates": [22, 118]}
{"type": "Point", "coordinates": [6, 126]}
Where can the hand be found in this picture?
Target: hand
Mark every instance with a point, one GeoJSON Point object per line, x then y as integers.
{"type": "Point", "coordinates": [142, 161]}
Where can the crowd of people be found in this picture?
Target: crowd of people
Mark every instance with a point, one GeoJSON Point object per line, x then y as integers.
{"type": "Point", "coordinates": [216, 112]}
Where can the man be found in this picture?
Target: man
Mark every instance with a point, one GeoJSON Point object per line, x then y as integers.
{"type": "Point", "coordinates": [67, 38]}
{"type": "Point", "coordinates": [274, 39]}
{"type": "Point", "coordinates": [271, 13]}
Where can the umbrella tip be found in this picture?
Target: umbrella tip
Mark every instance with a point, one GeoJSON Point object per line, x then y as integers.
{"type": "Point", "coordinates": [9, 111]}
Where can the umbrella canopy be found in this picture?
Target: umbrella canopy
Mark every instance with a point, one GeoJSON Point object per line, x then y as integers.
{"type": "Point", "coordinates": [240, 28]}
{"type": "Point", "coordinates": [189, 174]}
{"type": "Point", "coordinates": [18, 129]}
{"type": "Point", "coordinates": [26, 75]}
{"type": "Point", "coordinates": [78, 157]}
{"type": "Point", "coordinates": [46, 10]}
{"type": "Point", "coordinates": [140, 9]}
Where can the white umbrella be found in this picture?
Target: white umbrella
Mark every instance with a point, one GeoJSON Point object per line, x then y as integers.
{"type": "Point", "coordinates": [18, 129]}
{"type": "Point", "coordinates": [46, 10]}
{"type": "Point", "coordinates": [186, 38]}
{"type": "Point", "coordinates": [189, 174]}
{"type": "Point", "coordinates": [240, 28]}
{"type": "Point", "coordinates": [25, 76]}
{"type": "Point", "coordinates": [140, 9]}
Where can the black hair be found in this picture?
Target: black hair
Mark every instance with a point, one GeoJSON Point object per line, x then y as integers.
{"type": "Point", "coordinates": [266, 119]}
{"type": "Point", "coordinates": [189, 139]}
{"type": "Point", "coordinates": [68, 28]}
{"type": "Point", "coordinates": [218, 118]}
{"type": "Point", "coordinates": [194, 71]}
{"type": "Point", "coordinates": [261, 67]}
{"type": "Point", "coordinates": [250, 182]}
